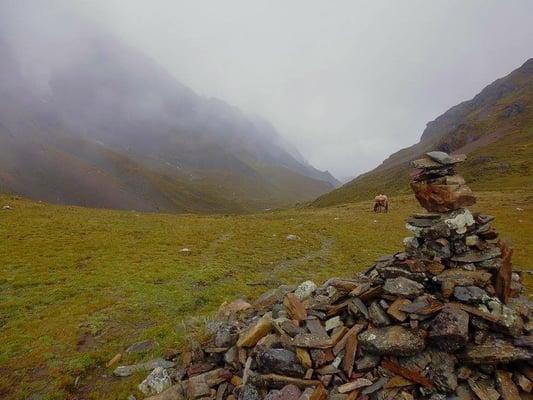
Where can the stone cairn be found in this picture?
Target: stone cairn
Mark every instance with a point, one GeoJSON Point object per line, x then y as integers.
{"type": "Point", "coordinates": [442, 320]}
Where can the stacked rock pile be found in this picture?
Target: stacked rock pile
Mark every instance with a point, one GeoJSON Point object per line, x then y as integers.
{"type": "Point", "coordinates": [444, 319]}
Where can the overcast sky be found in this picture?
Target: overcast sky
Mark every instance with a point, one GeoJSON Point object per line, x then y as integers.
{"type": "Point", "coordinates": [347, 82]}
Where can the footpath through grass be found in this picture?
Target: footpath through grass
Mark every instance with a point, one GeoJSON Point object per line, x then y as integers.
{"type": "Point", "coordinates": [77, 286]}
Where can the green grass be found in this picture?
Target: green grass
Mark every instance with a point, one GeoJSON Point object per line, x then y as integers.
{"type": "Point", "coordinates": [79, 285]}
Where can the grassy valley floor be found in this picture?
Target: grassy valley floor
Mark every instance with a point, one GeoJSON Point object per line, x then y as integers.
{"type": "Point", "coordinates": [77, 286]}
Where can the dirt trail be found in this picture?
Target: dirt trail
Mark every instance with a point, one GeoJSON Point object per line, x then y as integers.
{"type": "Point", "coordinates": [326, 243]}
{"type": "Point", "coordinates": [211, 250]}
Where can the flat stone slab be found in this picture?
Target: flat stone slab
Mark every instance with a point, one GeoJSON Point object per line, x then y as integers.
{"type": "Point", "coordinates": [392, 340]}
{"type": "Point", "coordinates": [495, 352]}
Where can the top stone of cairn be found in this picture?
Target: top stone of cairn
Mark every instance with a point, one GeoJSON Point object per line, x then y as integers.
{"type": "Point", "coordinates": [437, 187]}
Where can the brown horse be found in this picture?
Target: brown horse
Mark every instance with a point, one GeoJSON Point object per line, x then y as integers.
{"type": "Point", "coordinates": [381, 203]}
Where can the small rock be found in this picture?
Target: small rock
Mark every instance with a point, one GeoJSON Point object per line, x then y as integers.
{"type": "Point", "coordinates": [333, 323]}
{"type": "Point", "coordinates": [495, 351]}
{"type": "Point", "coordinates": [226, 336]}
{"type": "Point", "coordinates": [273, 394]}
{"type": "Point", "coordinates": [449, 329]}
{"type": "Point", "coordinates": [305, 290]}
{"type": "Point", "coordinates": [141, 347]}
{"type": "Point", "coordinates": [506, 386]}
{"type": "Point", "coordinates": [114, 360]}
{"type": "Point", "coordinates": [253, 334]}
{"type": "Point", "coordinates": [445, 159]}
{"type": "Point", "coordinates": [307, 393]}
{"type": "Point", "coordinates": [442, 198]}
{"type": "Point", "coordinates": [411, 244]}
{"type": "Point", "coordinates": [157, 381]}
{"type": "Point", "coordinates": [525, 384]}
{"type": "Point", "coordinates": [227, 310]}
{"type": "Point", "coordinates": [354, 385]}
{"type": "Point", "coordinates": [280, 361]}
{"type": "Point", "coordinates": [288, 326]}
{"type": "Point", "coordinates": [472, 240]}
{"type": "Point", "coordinates": [232, 356]}
{"type": "Point", "coordinates": [450, 278]}
{"type": "Point", "coordinates": [392, 340]}
{"type": "Point", "coordinates": [375, 386]}
{"type": "Point", "coordinates": [292, 237]}
{"type": "Point", "coordinates": [470, 294]}
{"type": "Point", "coordinates": [310, 341]}
{"type": "Point", "coordinates": [378, 316]}
{"type": "Point", "coordinates": [403, 287]}
{"type": "Point", "coordinates": [303, 357]}
{"type": "Point", "coordinates": [484, 389]}
{"type": "Point", "coordinates": [321, 357]}
{"type": "Point", "coordinates": [441, 371]}
{"type": "Point", "coordinates": [268, 299]}
{"type": "Point", "coordinates": [459, 221]}
{"type": "Point", "coordinates": [508, 320]}
{"type": "Point", "coordinates": [249, 392]}
{"type": "Point", "coordinates": [295, 308]}
{"type": "Point", "coordinates": [395, 309]}
{"type": "Point", "coordinates": [475, 256]}
{"type": "Point", "coordinates": [127, 370]}
{"type": "Point", "coordinates": [367, 361]}
{"type": "Point", "coordinates": [290, 392]}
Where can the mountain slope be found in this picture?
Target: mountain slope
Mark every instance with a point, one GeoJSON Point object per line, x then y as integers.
{"type": "Point", "coordinates": [495, 129]}
{"type": "Point", "coordinates": [106, 126]}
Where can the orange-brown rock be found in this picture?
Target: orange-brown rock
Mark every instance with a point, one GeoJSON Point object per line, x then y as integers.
{"type": "Point", "coordinates": [229, 309]}
{"type": "Point", "coordinates": [443, 198]}
{"type": "Point", "coordinates": [251, 336]}
{"type": "Point", "coordinates": [506, 386]}
{"type": "Point", "coordinates": [295, 308]}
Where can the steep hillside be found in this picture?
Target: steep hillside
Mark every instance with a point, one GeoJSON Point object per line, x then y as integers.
{"type": "Point", "coordinates": [495, 129]}
{"type": "Point", "coordinates": [108, 127]}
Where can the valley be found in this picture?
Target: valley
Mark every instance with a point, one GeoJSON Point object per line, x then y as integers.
{"type": "Point", "coordinates": [136, 198]}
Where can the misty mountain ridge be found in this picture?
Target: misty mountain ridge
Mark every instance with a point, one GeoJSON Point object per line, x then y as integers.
{"type": "Point", "coordinates": [495, 130]}
{"type": "Point", "coordinates": [111, 128]}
